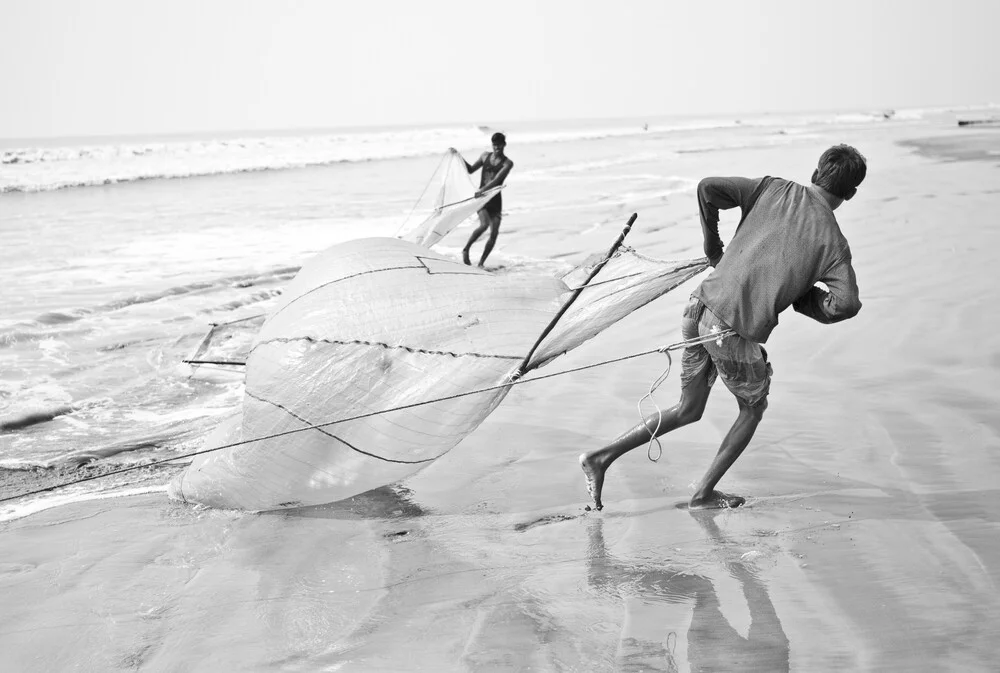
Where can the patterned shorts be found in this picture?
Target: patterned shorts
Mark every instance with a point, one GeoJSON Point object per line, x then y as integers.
{"type": "Point", "coordinates": [741, 363]}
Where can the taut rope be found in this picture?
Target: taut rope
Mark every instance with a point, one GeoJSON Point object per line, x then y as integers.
{"type": "Point", "coordinates": [514, 382]}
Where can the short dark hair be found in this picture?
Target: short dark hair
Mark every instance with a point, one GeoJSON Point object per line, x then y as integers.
{"type": "Point", "coordinates": [498, 139]}
{"type": "Point", "coordinates": [841, 169]}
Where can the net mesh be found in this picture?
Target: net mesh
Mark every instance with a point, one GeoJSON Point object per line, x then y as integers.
{"type": "Point", "coordinates": [627, 282]}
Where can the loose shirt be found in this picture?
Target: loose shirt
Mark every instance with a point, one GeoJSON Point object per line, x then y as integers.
{"type": "Point", "coordinates": [787, 241]}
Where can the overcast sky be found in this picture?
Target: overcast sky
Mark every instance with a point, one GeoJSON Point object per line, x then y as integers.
{"type": "Point", "coordinates": [142, 66]}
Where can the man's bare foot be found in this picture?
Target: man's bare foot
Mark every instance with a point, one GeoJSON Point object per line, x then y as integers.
{"type": "Point", "coordinates": [465, 258]}
{"type": "Point", "coordinates": [593, 471]}
{"type": "Point", "coordinates": [716, 500]}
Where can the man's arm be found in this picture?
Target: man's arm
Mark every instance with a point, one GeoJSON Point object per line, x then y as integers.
{"type": "Point", "coordinates": [472, 168]}
{"type": "Point", "coordinates": [840, 303]}
{"type": "Point", "coordinates": [715, 194]}
{"type": "Point", "coordinates": [475, 166]}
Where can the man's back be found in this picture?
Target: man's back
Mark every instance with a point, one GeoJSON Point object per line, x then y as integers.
{"type": "Point", "coordinates": [788, 242]}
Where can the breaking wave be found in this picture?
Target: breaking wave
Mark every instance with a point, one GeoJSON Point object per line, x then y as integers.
{"type": "Point", "coordinates": [49, 166]}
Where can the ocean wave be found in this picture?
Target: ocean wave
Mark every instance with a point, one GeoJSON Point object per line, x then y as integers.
{"type": "Point", "coordinates": [243, 302]}
{"type": "Point", "coordinates": [18, 421]}
{"type": "Point", "coordinates": [45, 168]}
{"type": "Point", "coordinates": [583, 167]}
{"type": "Point", "coordinates": [41, 327]}
{"type": "Point", "coordinates": [31, 331]}
{"type": "Point", "coordinates": [48, 168]}
{"type": "Point", "coordinates": [35, 489]}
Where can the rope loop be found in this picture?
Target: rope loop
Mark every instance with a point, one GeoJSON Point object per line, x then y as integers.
{"type": "Point", "coordinates": [655, 433]}
{"type": "Point", "coordinates": [717, 336]}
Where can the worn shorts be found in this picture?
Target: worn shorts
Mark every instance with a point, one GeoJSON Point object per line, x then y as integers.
{"type": "Point", "coordinates": [494, 206]}
{"type": "Point", "coordinates": [741, 363]}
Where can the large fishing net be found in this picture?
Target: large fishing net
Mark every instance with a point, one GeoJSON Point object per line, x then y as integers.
{"type": "Point", "coordinates": [367, 333]}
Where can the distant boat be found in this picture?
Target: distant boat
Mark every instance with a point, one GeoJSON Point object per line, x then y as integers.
{"type": "Point", "coordinates": [994, 121]}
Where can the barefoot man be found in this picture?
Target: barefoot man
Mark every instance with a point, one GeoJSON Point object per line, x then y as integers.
{"type": "Point", "coordinates": [496, 165]}
{"type": "Point", "coordinates": [788, 240]}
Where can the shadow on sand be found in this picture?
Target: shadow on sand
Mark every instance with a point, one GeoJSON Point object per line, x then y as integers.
{"type": "Point", "coordinates": [386, 502]}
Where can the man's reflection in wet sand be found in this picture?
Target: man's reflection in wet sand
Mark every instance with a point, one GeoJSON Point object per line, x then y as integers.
{"type": "Point", "coordinates": [712, 643]}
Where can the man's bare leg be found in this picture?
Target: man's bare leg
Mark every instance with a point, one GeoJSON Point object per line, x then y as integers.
{"type": "Point", "coordinates": [689, 409]}
{"type": "Point", "coordinates": [735, 441]}
{"type": "Point", "coordinates": [484, 224]}
{"type": "Point", "coordinates": [494, 231]}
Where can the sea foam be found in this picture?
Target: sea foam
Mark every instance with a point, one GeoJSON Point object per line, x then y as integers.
{"type": "Point", "coordinates": [45, 167]}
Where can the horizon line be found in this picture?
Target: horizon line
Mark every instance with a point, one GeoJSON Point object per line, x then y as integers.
{"type": "Point", "coordinates": [289, 130]}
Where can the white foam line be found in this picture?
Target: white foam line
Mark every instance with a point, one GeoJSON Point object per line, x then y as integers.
{"type": "Point", "coordinates": [33, 507]}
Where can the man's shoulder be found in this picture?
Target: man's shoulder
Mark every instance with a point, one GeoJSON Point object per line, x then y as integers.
{"type": "Point", "coordinates": [822, 219]}
{"type": "Point", "coordinates": [802, 196]}
{"type": "Point", "coordinates": [735, 182]}
{"type": "Point", "coordinates": [777, 183]}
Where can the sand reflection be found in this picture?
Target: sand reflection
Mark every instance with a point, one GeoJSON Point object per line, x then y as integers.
{"type": "Point", "coordinates": [653, 594]}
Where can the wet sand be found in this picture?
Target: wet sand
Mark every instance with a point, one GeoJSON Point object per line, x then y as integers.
{"type": "Point", "coordinates": [870, 540]}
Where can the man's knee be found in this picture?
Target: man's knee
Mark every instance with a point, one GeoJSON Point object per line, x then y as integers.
{"type": "Point", "coordinates": [691, 406]}
{"type": "Point", "coordinates": [756, 409]}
